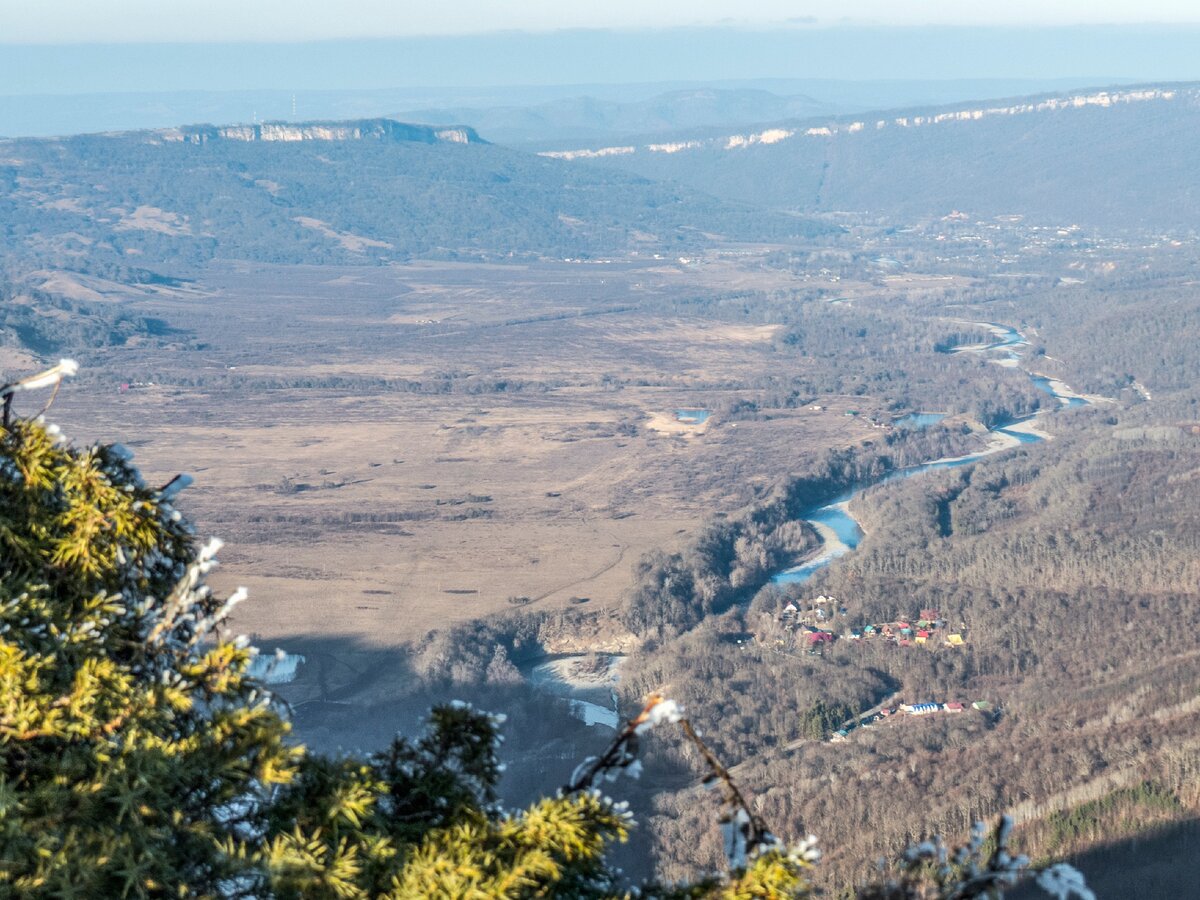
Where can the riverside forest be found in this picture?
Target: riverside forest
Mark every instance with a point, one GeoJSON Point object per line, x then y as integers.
{"type": "Point", "coordinates": [892, 504]}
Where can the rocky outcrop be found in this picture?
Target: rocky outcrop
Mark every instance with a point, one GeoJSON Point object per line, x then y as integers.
{"type": "Point", "coordinates": [587, 633]}
{"type": "Point", "coordinates": [293, 132]}
{"type": "Point", "coordinates": [615, 643]}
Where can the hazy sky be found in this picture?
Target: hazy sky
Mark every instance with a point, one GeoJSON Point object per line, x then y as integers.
{"type": "Point", "coordinates": [70, 21]}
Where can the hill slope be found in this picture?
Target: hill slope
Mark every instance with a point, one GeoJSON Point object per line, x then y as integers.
{"type": "Point", "coordinates": [370, 190]}
{"type": "Point", "coordinates": [1123, 158]}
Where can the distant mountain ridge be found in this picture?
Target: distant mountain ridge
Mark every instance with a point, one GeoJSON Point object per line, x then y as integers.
{"type": "Point", "coordinates": [1121, 157]}
{"type": "Point", "coordinates": [524, 115]}
{"type": "Point", "coordinates": [588, 118]}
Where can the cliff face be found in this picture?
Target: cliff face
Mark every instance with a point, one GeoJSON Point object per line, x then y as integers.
{"type": "Point", "coordinates": [290, 132]}
{"type": "Point", "coordinates": [1189, 95]}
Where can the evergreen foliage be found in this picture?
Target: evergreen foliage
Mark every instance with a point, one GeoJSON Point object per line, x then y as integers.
{"type": "Point", "coordinates": [133, 748]}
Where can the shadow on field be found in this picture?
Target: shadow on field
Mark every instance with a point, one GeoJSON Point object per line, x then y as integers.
{"type": "Point", "coordinates": [1160, 864]}
{"type": "Point", "coordinates": [349, 696]}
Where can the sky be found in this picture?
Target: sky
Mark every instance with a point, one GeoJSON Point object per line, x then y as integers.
{"type": "Point", "coordinates": [111, 21]}
{"type": "Point", "coordinates": [1108, 53]}
{"type": "Point", "coordinates": [85, 47]}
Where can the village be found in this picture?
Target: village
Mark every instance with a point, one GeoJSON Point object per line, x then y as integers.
{"type": "Point", "coordinates": [811, 625]}
{"type": "Point", "coordinates": [908, 709]}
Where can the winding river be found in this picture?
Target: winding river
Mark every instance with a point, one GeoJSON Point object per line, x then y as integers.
{"type": "Point", "coordinates": [594, 697]}
{"type": "Point", "coordinates": [841, 533]}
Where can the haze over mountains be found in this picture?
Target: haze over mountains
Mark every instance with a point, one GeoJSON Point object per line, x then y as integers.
{"type": "Point", "coordinates": [529, 115]}
{"type": "Point", "coordinates": [794, 50]}
{"type": "Point", "coordinates": [704, 107]}
{"type": "Point", "coordinates": [72, 88]}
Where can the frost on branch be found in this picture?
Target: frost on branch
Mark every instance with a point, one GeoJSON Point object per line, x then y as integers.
{"type": "Point", "coordinates": [757, 861]}
{"type": "Point", "coordinates": [52, 377]}
{"type": "Point", "coordinates": [66, 368]}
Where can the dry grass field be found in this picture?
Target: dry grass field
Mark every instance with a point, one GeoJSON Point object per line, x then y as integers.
{"type": "Point", "coordinates": [540, 457]}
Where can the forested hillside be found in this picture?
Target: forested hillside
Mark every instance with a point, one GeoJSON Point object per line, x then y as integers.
{"type": "Point", "coordinates": [179, 199]}
{"type": "Point", "coordinates": [1066, 565]}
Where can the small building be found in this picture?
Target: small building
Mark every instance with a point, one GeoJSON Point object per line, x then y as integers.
{"type": "Point", "coordinates": [922, 633]}
{"type": "Point", "coordinates": [954, 707]}
{"type": "Point", "coordinates": [955, 640]}
{"type": "Point", "coordinates": [922, 709]}
{"type": "Point", "coordinates": [920, 640]}
{"type": "Point", "coordinates": [981, 705]}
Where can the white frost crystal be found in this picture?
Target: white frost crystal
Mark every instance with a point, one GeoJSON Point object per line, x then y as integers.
{"type": "Point", "coordinates": [1064, 882]}
{"type": "Point", "coordinates": [663, 712]}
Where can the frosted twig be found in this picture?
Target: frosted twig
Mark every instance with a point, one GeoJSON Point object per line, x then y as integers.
{"type": "Point", "coordinates": [745, 832]}
{"type": "Point", "coordinates": [65, 368]}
